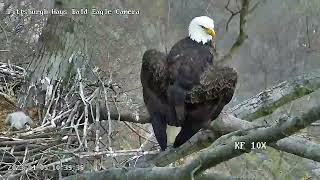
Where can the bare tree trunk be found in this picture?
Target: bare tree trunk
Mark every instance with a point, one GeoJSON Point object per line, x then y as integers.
{"type": "Point", "coordinates": [57, 48]}
{"type": "Point", "coordinates": [61, 50]}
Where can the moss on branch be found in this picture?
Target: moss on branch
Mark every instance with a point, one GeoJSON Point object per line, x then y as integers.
{"type": "Point", "coordinates": [298, 92]}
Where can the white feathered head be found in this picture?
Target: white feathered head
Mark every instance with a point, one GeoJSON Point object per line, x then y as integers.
{"type": "Point", "coordinates": [201, 29]}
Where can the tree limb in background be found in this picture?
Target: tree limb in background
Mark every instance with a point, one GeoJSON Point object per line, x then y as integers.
{"type": "Point", "coordinates": [256, 5]}
{"type": "Point", "coordinates": [233, 13]}
{"type": "Point", "coordinates": [271, 99]}
{"type": "Point", "coordinates": [242, 36]}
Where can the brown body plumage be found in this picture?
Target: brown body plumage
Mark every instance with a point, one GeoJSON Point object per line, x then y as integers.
{"type": "Point", "coordinates": [184, 88]}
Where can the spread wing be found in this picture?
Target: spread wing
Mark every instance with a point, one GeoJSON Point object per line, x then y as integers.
{"type": "Point", "coordinates": [215, 83]}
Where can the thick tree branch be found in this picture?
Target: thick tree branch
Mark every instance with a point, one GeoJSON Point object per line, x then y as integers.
{"type": "Point", "coordinates": [214, 154]}
{"type": "Point", "coordinates": [225, 124]}
{"type": "Point", "coordinates": [162, 173]}
{"type": "Point", "coordinates": [293, 144]}
{"type": "Point", "coordinates": [299, 146]}
{"type": "Point", "coordinates": [269, 100]}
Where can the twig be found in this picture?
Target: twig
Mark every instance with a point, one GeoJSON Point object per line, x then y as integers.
{"type": "Point", "coordinates": [255, 6]}
{"type": "Point", "coordinates": [242, 36]}
{"type": "Point", "coordinates": [136, 132]}
{"type": "Point", "coordinates": [86, 114]}
{"type": "Point", "coordinates": [97, 127]}
{"type": "Point", "coordinates": [232, 14]}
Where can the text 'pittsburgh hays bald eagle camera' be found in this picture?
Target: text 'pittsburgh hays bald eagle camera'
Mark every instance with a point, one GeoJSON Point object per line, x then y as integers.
{"type": "Point", "coordinates": [186, 88]}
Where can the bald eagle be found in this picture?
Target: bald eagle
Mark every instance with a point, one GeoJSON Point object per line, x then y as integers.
{"type": "Point", "coordinates": [186, 88]}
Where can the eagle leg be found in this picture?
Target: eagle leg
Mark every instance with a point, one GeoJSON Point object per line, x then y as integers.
{"type": "Point", "coordinates": [176, 98]}
{"type": "Point", "coordinates": [187, 131]}
{"type": "Point", "coordinates": [159, 126]}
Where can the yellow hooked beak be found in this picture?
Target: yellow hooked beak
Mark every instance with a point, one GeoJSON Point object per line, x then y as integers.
{"type": "Point", "coordinates": [211, 32]}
